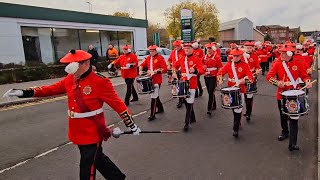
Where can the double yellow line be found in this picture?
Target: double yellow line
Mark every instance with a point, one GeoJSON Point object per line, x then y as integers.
{"type": "Point", "coordinates": [42, 101]}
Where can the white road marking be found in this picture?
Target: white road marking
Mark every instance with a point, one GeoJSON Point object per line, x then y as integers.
{"type": "Point", "coordinates": [54, 149]}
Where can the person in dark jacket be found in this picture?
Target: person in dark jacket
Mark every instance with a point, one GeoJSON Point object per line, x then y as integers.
{"type": "Point", "coordinates": [95, 55]}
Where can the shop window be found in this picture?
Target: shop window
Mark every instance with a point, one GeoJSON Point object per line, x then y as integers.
{"type": "Point", "coordinates": [107, 38]}
{"type": "Point", "coordinates": [88, 37]}
{"type": "Point", "coordinates": [125, 38]}
{"type": "Point", "coordinates": [64, 40]}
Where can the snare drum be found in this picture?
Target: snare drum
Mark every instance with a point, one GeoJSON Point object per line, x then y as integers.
{"type": "Point", "coordinates": [252, 87]}
{"type": "Point", "coordinates": [180, 89]}
{"type": "Point", "coordinates": [144, 85]}
{"type": "Point", "coordinates": [294, 102]}
{"type": "Point", "coordinates": [231, 98]}
{"type": "Point", "coordinates": [169, 72]}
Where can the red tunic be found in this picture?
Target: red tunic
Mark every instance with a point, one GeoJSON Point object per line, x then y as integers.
{"type": "Point", "coordinates": [262, 54]}
{"type": "Point", "coordinates": [276, 54]}
{"type": "Point", "coordinates": [278, 73]}
{"type": "Point", "coordinates": [199, 53]}
{"type": "Point", "coordinates": [95, 90]}
{"type": "Point", "coordinates": [213, 61]}
{"type": "Point", "coordinates": [242, 70]}
{"type": "Point", "coordinates": [172, 59]}
{"type": "Point", "coordinates": [253, 62]}
{"type": "Point", "coordinates": [299, 57]}
{"type": "Point", "coordinates": [158, 63]}
{"type": "Point", "coordinates": [192, 61]}
{"type": "Point", "coordinates": [125, 59]}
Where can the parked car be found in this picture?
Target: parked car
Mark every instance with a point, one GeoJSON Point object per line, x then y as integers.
{"type": "Point", "coordinates": [143, 53]}
{"type": "Point", "coordinates": [224, 56]}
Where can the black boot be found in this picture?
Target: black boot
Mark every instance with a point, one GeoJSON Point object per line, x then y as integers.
{"type": "Point", "coordinates": [248, 108]}
{"type": "Point", "coordinates": [193, 117]}
{"type": "Point", "coordinates": [196, 94]}
{"type": "Point", "coordinates": [236, 123]}
{"type": "Point", "coordinates": [179, 104]}
{"type": "Point", "coordinates": [126, 102]}
{"type": "Point", "coordinates": [159, 106]}
{"type": "Point", "coordinates": [282, 137]}
{"type": "Point", "coordinates": [294, 148]}
{"type": "Point", "coordinates": [153, 109]}
{"type": "Point", "coordinates": [187, 117]}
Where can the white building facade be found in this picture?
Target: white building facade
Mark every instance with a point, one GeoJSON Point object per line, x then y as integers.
{"type": "Point", "coordinates": [34, 34]}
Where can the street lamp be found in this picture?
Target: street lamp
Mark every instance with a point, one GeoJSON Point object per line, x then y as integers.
{"type": "Point", "coordinates": [90, 6]}
{"type": "Point", "coordinates": [145, 9]}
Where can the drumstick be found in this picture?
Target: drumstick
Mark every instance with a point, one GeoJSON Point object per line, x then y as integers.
{"type": "Point", "coordinates": [311, 83]}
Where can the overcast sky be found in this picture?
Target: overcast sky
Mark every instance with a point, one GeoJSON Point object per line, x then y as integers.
{"type": "Point", "coordinates": [293, 13]}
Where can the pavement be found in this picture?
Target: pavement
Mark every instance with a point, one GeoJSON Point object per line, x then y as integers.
{"type": "Point", "coordinates": [35, 145]}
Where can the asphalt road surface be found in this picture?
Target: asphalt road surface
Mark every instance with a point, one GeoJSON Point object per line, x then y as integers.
{"type": "Point", "coordinates": [207, 151]}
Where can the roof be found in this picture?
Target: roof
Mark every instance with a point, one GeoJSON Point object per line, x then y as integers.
{"type": "Point", "coordinates": [40, 13]}
{"type": "Point", "coordinates": [230, 24]}
{"type": "Point", "coordinates": [258, 31]}
{"type": "Point", "coordinates": [272, 26]}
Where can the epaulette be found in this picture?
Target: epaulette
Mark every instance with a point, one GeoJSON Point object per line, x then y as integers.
{"type": "Point", "coordinates": [100, 75]}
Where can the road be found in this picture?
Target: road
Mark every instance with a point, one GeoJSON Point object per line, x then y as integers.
{"type": "Point", "coordinates": [207, 151]}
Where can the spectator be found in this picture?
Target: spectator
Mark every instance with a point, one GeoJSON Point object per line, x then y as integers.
{"type": "Point", "coordinates": [112, 53]}
{"type": "Point", "coordinates": [94, 58]}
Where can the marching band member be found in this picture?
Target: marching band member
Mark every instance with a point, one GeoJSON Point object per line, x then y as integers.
{"type": "Point", "coordinates": [262, 53]}
{"type": "Point", "coordinates": [232, 47]}
{"type": "Point", "coordinates": [200, 54]}
{"type": "Point", "coordinates": [252, 60]}
{"type": "Point", "coordinates": [239, 73]}
{"type": "Point", "coordinates": [175, 55]}
{"type": "Point", "coordinates": [212, 64]}
{"type": "Point", "coordinates": [284, 75]}
{"type": "Point", "coordinates": [86, 93]}
{"type": "Point", "coordinates": [190, 67]}
{"type": "Point", "coordinates": [128, 63]}
{"type": "Point", "coordinates": [156, 66]}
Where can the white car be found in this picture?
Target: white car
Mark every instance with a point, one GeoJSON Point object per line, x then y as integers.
{"type": "Point", "coordinates": [143, 53]}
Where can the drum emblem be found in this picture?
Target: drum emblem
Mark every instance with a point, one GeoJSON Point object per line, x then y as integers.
{"type": "Point", "coordinates": [251, 60]}
{"type": "Point", "coordinates": [293, 106]}
{"type": "Point", "coordinates": [156, 60]}
{"type": "Point", "coordinates": [227, 100]}
{"type": "Point", "coordinates": [87, 90]}
{"type": "Point", "coordinates": [294, 68]}
{"type": "Point", "coordinates": [191, 63]}
{"type": "Point", "coordinates": [240, 69]}
{"type": "Point", "coordinates": [174, 90]}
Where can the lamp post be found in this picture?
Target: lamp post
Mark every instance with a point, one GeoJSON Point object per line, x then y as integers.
{"type": "Point", "coordinates": [90, 6]}
{"type": "Point", "coordinates": [145, 10]}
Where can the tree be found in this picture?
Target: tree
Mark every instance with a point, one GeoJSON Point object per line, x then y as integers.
{"type": "Point", "coordinates": [123, 14]}
{"type": "Point", "coordinates": [206, 23]}
{"type": "Point", "coordinates": [301, 39]}
{"type": "Point", "coordinates": [152, 28]}
{"type": "Point", "coordinates": [267, 38]}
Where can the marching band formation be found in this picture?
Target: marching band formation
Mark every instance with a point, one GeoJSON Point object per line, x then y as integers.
{"type": "Point", "coordinates": [290, 71]}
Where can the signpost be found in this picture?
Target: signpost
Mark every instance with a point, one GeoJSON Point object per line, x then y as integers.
{"type": "Point", "coordinates": [187, 30]}
{"type": "Point", "coordinates": [156, 39]}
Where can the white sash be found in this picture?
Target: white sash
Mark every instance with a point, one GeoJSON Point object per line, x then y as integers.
{"type": "Point", "coordinates": [245, 59]}
{"type": "Point", "coordinates": [177, 58]}
{"type": "Point", "coordinates": [187, 68]}
{"type": "Point", "coordinates": [235, 75]}
{"type": "Point", "coordinates": [293, 82]}
{"type": "Point", "coordinates": [151, 66]}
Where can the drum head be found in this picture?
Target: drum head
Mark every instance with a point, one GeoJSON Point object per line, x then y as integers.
{"type": "Point", "coordinates": [230, 89]}
{"type": "Point", "coordinates": [292, 93]}
{"type": "Point", "coordinates": [143, 78]}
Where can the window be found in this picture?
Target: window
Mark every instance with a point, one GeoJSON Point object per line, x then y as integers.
{"type": "Point", "coordinates": [64, 41]}
{"type": "Point", "coordinates": [125, 38]}
{"type": "Point", "coordinates": [88, 37]}
{"type": "Point", "coordinates": [108, 37]}
{"type": "Point", "coordinates": [167, 51]}
{"type": "Point", "coordinates": [37, 45]}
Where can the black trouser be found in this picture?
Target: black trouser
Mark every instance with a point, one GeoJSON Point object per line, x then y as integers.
{"type": "Point", "coordinates": [293, 123]}
{"type": "Point", "coordinates": [236, 120]}
{"type": "Point", "coordinates": [130, 89]}
{"type": "Point", "coordinates": [190, 116]}
{"type": "Point", "coordinates": [92, 158]}
{"type": "Point", "coordinates": [179, 77]}
{"type": "Point", "coordinates": [156, 103]}
{"type": "Point", "coordinates": [264, 66]}
{"type": "Point", "coordinates": [249, 104]}
{"type": "Point", "coordinates": [268, 63]}
{"type": "Point", "coordinates": [211, 83]}
{"type": "Point", "coordinates": [199, 90]}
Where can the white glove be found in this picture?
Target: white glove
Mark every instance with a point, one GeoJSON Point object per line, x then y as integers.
{"type": "Point", "coordinates": [13, 92]}
{"type": "Point", "coordinates": [128, 65]}
{"type": "Point", "coordinates": [109, 66]}
{"type": "Point", "coordinates": [135, 129]}
{"type": "Point", "coordinates": [304, 54]}
{"type": "Point", "coordinates": [246, 55]}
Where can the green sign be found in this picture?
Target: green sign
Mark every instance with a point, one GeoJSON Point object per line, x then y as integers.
{"type": "Point", "coordinates": [156, 39]}
{"type": "Point", "coordinates": [187, 30]}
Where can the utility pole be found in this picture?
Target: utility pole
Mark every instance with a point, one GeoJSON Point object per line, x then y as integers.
{"type": "Point", "coordinates": [90, 6]}
{"type": "Point", "coordinates": [145, 9]}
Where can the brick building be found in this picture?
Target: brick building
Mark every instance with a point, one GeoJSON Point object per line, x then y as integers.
{"type": "Point", "coordinates": [279, 33]}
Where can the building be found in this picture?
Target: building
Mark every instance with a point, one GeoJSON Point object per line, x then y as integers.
{"type": "Point", "coordinates": [279, 33]}
{"type": "Point", "coordinates": [36, 34]}
{"type": "Point", "coordinates": [237, 31]}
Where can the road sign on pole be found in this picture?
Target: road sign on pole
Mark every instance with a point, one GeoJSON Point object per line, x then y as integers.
{"type": "Point", "coordinates": [187, 30]}
{"type": "Point", "coordinates": [156, 39]}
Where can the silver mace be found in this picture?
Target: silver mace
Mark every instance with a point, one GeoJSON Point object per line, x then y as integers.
{"type": "Point", "coordinates": [116, 132]}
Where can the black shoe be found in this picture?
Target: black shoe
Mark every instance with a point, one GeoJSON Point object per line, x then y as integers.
{"type": "Point", "coordinates": [248, 118]}
{"type": "Point", "coordinates": [196, 95]}
{"type": "Point", "coordinates": [133, 100]}
{"type": "Point", "coordinates": [159, 111]}
{"type": "Point", "coordinates": [209, 113]}
{"type": "Point", "coordinates": [235, 134]}
{"type": "Point", "coordinates": [126, 103]}
{"type": "Point", "coordinates": [244, 114]}
{"type": "Point", "coordinates": [179, 105]}
{"type": "Point", "coordinates": [186, 128]}
{"type": "Point", "coordinates": [200, 93]}
{"type": "Point", "coordinates": [283, 137]}
{"type": "Point", "coordinates": [151, 118]}
{"type": "Point", "coordinates": [294, 148]}
{"type": "Point", "coordinates": [193, 121]}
